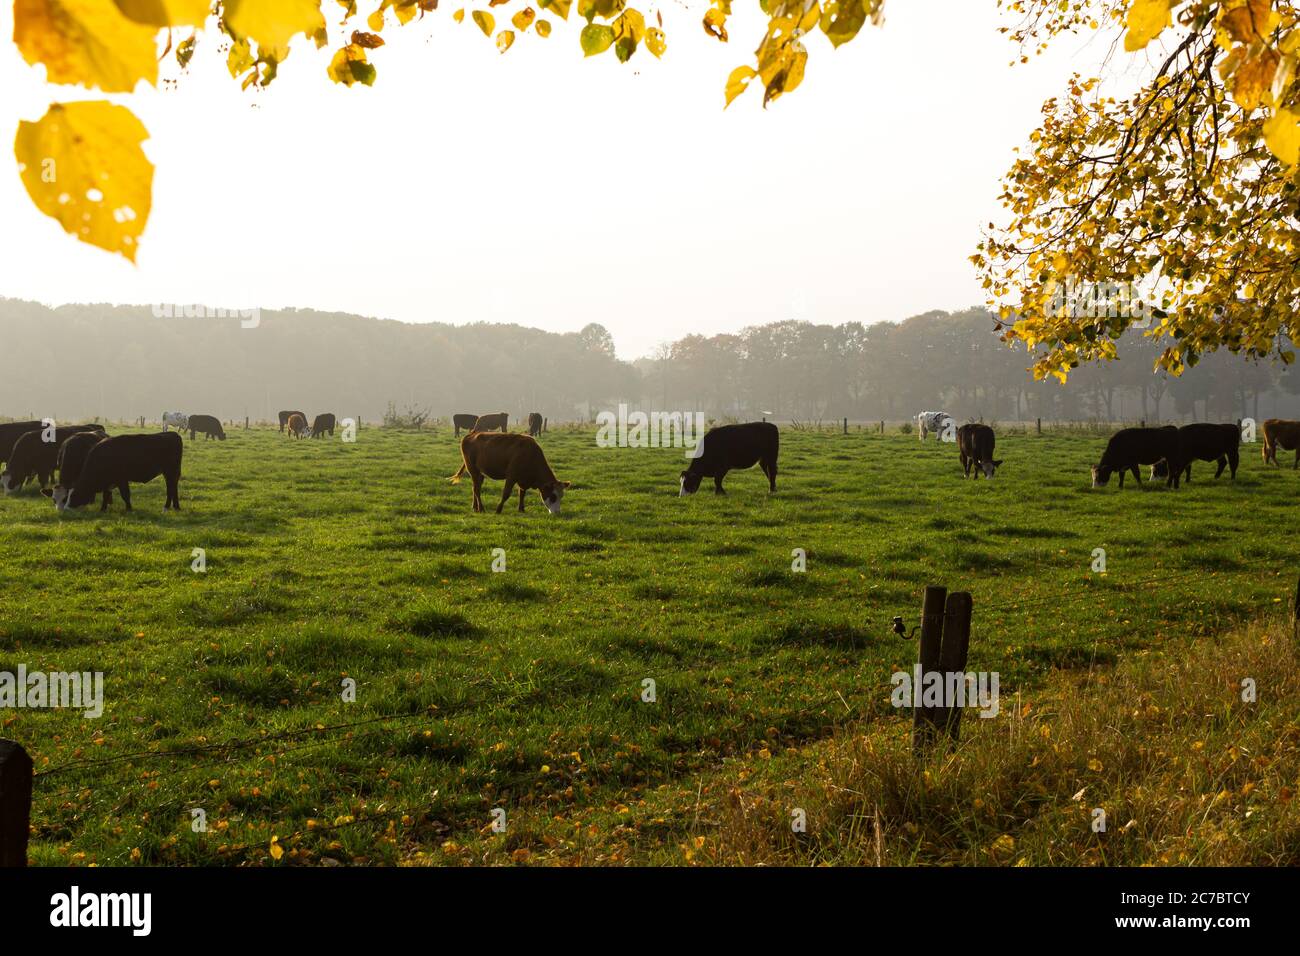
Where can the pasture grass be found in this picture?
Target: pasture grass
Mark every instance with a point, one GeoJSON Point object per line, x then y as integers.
{"type": "Point", "coordinates": [522, 690]}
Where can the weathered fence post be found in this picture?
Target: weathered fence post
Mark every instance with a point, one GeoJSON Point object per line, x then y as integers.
{"type": "Point", "coordinates": [1040, 426]}
{"type": "Point", "coordinates": [15, 803]}
{"type": "Point", "coordinates": [952, 657]}
{"type": "Point", "coordinates": [882, 426]}
{"type": "Point", "coordinates": [923, 718]}
{"type": "Point", "coordinates": [1296, 611]}
{"type": "Point", "coordinates": [846, 426]}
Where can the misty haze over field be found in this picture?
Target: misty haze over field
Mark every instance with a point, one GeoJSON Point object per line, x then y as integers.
{"type": "Point", "coordinates": [123, 362]}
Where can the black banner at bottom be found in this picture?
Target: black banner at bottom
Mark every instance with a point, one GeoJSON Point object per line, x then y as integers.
{"type": "Point", "coordinates": [335, 905]}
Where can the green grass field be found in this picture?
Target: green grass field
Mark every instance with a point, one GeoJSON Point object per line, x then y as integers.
{"type": "Point", "coordinates": [522, 690]}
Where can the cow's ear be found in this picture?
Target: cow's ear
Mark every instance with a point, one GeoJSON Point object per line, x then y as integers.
{"type": "Point", "coordinates": [566, 483]}
{"type": "Point", "coordinates": [48, 492]}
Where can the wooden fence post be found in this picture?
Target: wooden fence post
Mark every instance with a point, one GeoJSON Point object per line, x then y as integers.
{"type": "Point", "coordinates": [15, 803]}
{"type": "Point", "coordinates": [1040, 426]}
{"type": "Point", "coordinates": [923, 718]}
{"type": "Point", "coordinates": [882, 426]}
{"type": "Point", "coordinates": [846, 426]}
{"type": "Point", "coordinates": [952, 657]}
{"type": "Point", "coordinates": [1296, 611]}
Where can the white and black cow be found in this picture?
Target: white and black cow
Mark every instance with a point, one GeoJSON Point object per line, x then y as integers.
{"type": "Point", "coordinates": [932, 422]}
{"type": "Point", "coordinates": [178, 420]}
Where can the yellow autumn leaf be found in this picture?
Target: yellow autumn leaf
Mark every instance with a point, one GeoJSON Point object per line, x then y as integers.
{"type": "Point", "coordinates": [595, 38]}
{"type": "Point", "coordinates": [1146, 20]}
{"type": "Point", "coordinates": [277, 851]}
{"type": "Point", "coordinates": [486, 22]}
{"type": "Point", "coordinates": [655, 42]}
{"type": "Point", "coordinates": [504, 39]}
{"type": "Point", "coordinates": [738, 80]}
{"type": "Point", "coordinates": [86, 43]}
{"type": "Point", "coordinates": [523, 19]}
{"type": "Point", "coordinates": [271, 24]}
{"type": "Point", "coordinates": [543, 28]}
{"type": "Point", "coordinates": [166, 13]}
{"type": "Point", "coordinates": [350, 65]}
{"type": "Point", "coordinates": [1282, 135]}
{"type": "Point", "coordinates": [83, 165]}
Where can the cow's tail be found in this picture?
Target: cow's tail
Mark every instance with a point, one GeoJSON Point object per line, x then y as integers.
{"type": "Point", "coordinates": [455, 479]}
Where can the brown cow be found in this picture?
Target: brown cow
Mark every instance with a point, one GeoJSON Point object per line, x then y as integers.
{"type": "Point", "coordinates": [487, 423]}
{"type": "Point", "coordinates": [516, 459]}
{"type": "Point", "coordinates": [297, 425]}
{"type": "Point", "coordinates": [1279, 431]}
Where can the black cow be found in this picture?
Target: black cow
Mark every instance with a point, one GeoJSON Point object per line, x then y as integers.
{"type": "Point", "coordinates": [10, 432]}
{"type": "Point", "coordinates": [463, 421]}
{"type": "Point", "coordinates": [1205, 441]}
{"type": "Point", "coordinates": [115, 462]}
{"type": "Point", "coordinates": [733, 446]}
{"type": "Point", "coordinates": [34, 457]}
{"type": "Point", "coordinates": [72, 458]}
{"type": "Point", "coordinates": [324, 423]}
{"type": "Point", "coordinates": [975, 445]}
{"type": "Point", "coordinates": [285, 416]}
{"type": "Point", "coordinates": [1129, 448]}
{"type": "Point", "coordinates": [206, 425]}
{"type": "Point", "coordinates": [535, 424]}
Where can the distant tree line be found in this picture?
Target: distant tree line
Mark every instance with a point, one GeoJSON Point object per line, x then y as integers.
{"type": "Point", "coordinates": [123, 362]}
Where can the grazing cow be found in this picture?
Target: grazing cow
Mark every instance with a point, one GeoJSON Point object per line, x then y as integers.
{"type": "Point", "coordinates": [1279, 431]}
{"type": "Point", "coordinates": [72, 458]}
{"type": "Point", "coordinates": [463, 421]}
{"type": "Point", "coordinates": [936, 422]}
{"type": "Point", "coordinates": [33, 457]}
{"type": "Point", "coordinates": [324, 423]}
{"type": "Point", "coordinates": [1129, 448]}
{"type": "Point", "coordinates": [534, 424]}
{"type": "Point", "coordinates": [178, 420]}
{"type": "Point", "coordinates": [975, 444]}
{"type": "Point", "coordinates": [10, 432]}
{"type": "Point", "coordinates": [732, 446]}
{"type": "Point", "coordinates": [285, 416]}
{"type": "Point", "coordinates": [515, 459]}
{"type": "Point", "coordinates": [115, 462]}
{"type": "Point", "coordinates": [487, 423]}
{"type": "Point", "coordinates": [297, 425]}
{"type": "Point", "coordinates": [1205, 441]}
{"type": "Point", "coordinates": [206, 424]}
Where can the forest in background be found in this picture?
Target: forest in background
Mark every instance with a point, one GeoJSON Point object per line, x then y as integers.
{"type": "Point", "coordinates": [123, 362]}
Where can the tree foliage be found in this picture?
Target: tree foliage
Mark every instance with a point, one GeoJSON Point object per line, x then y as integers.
{"type": "Point", "coordinates": [114, 45]}
{"type": "Point", "coordinates": [1186, 188]}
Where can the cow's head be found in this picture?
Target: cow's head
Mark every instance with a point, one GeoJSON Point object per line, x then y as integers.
{"type": "Point", "coordinates": [1100, 475]}
{"type": "Point", "coordinates": [989, 466]}
{"type": "Point", "coordinates": [1160, 469]}
{"type": "Point", "coordinates": [690, 483]}
{"type": "Point", "coordinates": [552, 494]}
{"type": "Point", "coordinates": [58, 494]}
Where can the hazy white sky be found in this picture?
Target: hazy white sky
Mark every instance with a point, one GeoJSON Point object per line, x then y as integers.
{"type": "Point", "coordinates": [545, 189]}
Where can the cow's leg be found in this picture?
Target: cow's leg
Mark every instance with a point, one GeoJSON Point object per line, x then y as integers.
{"type": "Point", "coordinates": [125, 491]}
{"type": "Point", "coordinates": [506, 492]}
{"type": "Point", "coordinates": [1223, 463]}
{"type": "Point", "coordinates": [522, 493]}
{"type": "Point", "coordinates": [717, 485]}
{"type": "Point", "coordinates": [1122, 473]}
{"type": "Point", "coordinates": [771, 477]}
{"type": "Point", "coordinates": [173, 491]}
{"type": "Point", "coordinates": [478, 490]}
{"type": "Point", "coordinates": [1234, 459]}
{"type": "Point", "coordinates": [108, 499]}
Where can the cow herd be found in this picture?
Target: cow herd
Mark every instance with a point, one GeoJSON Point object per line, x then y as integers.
{"type": "Point", "coordinates": [1168, 450]}
{"type": "Point", "coordinates": [90, 463]}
